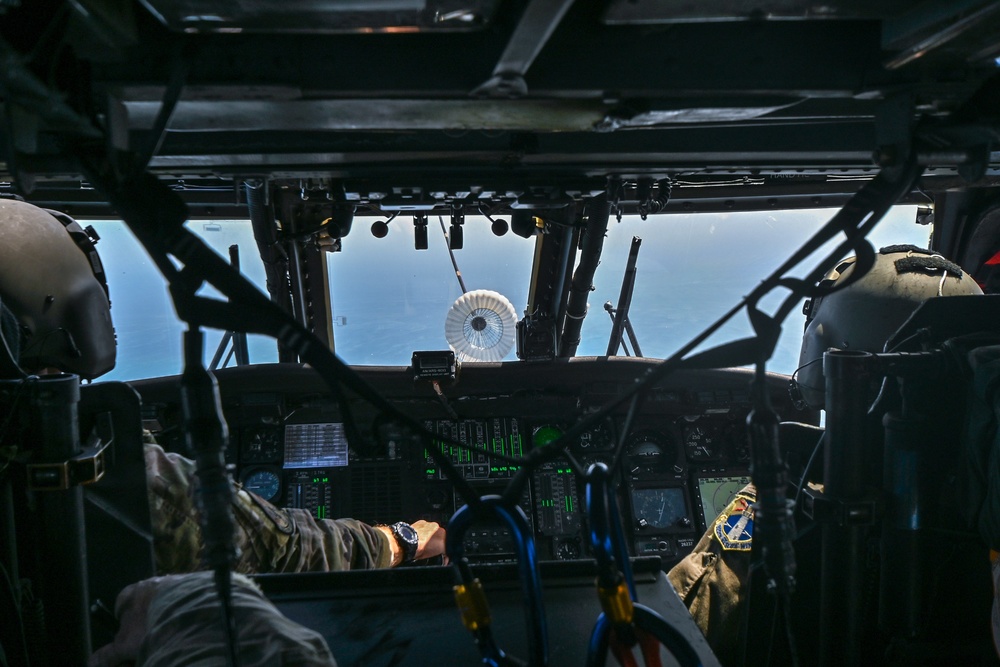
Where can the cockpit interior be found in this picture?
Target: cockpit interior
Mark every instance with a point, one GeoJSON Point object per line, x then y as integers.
{"type": "Point", "coordinates": [537, 271]}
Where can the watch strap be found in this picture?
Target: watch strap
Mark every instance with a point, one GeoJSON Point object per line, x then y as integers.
{"type": "Point", "coordinates": [406, 538]}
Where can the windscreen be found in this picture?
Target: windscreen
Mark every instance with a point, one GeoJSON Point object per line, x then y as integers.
{"type": "Point", "coordinates": [389, 299]}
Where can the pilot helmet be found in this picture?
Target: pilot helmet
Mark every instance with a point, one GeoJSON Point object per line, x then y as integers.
{"type": "Point", "coordinates": [866, 313]}
{"type": "Point", "coordinates": [52, 282]}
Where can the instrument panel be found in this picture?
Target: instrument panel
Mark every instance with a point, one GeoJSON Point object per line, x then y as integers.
{"type": "Point", "coordinates": [677, 459]}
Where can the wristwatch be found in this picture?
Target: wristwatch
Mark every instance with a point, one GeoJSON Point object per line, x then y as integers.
{"type": "Point", "coordinates": [406, 538]}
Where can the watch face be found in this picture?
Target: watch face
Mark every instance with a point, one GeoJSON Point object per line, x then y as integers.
{"type": "Point", "coordinates": [406, 536]}
{"type": "Point", "coordinates": [406, 533]}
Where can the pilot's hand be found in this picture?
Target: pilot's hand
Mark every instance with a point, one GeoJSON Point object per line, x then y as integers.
{"type": "Point", "coordinates": [132, 609]}
{"type": "Point", "coordinates": [430, 538]}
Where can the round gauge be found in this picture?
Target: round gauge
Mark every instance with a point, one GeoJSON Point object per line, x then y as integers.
{"type": "Point", "coordinates": [262, 481]}
{"type": "Point", "coordinates": [598, 438]}
{"type": "Point", "coordinates": [702, 443]}
{"type": "Point", "coordinates": [391, 439]}
{"type": "Point", "coordinates": [568, 549]}
{"type": "Point", "coordinates": [607, 458]}
{"type": "Point", "coordinates": [543, 435]}
{"type": "Point", "coordinates": [261, 444]}
{"type": "Point", "coordinates": [650, 451]}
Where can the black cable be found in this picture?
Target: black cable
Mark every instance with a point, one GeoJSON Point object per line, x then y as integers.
{"type": "Point", "coordinates": [12, 619]}
{"type": "Point", "coordinates": [206, 435]}
{"type": "Point", "coordinates": [451, 253]}
{"type": "Point", "coordinates": [795, 386]}
{"type": "Point", "coordinates": [786, 606]}
{"type": "Point", "coordinates": [57, 24]}
{"type": "Point", "coordinates": [11, 411]}
{"type": "Point", "coordinates": [623, 436]}
{"type": "Point", "coordinates": [773, 626]}
{"type": "Point", "coordinates": [37, 342]}
{"type": "Point", "coordinates": [184, 52]}
{"type": "Point", "coordinates": [755, 566]}
{"type": "Point", "coordinates": [488, 216]}
{"type": "Point", "coordinates": [805, 472]}
{"type": "Point", "coordinates": [36, 636]}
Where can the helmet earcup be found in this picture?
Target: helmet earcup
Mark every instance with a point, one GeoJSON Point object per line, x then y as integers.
{"type": "Point", "coordinates": [51, 284]}
{"type": "Point", "coordinates": [866, 313]}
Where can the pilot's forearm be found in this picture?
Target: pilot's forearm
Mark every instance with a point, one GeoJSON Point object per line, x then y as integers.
{"type": "Point", "coordinates": [292, 540]}
{"type": "Point", "coordinates": [270, 539]}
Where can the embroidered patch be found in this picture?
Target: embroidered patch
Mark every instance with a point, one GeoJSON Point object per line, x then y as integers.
{"type": "Point", "coordinates": [734, 527]}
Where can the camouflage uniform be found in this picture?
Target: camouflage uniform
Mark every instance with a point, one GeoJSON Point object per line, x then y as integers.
{"type": "Point", "coordinates": [710, 579]}
{"type": "Point", "coordinates": [183, 628]}
{"type": "Point", "coordinates": [269, 539]}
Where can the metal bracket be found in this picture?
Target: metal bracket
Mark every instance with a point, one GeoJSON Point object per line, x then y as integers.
{"type": "Point", "coordinates": [539, 21]}
{"type": "Point", "coordinates": [86, 467]}
{"type": "Point", "coordinates": [822, 508]}
{"type": "Point", "coordinates": [434, 366]}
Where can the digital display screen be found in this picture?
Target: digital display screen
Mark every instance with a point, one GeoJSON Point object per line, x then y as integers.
{"type": "Point", "coordinates": [717, 492]}
{"type": "Point", "coordinates": [315, 446]}
{"type": "Point", "coordinates": [659, 508]}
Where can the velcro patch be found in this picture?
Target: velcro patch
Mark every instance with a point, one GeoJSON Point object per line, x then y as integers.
{"type": "Point", "coordinates": [734, 527]}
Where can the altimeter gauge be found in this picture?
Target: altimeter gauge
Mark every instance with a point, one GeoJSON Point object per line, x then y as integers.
{"type": "Point", "coordinates": [265, 482]}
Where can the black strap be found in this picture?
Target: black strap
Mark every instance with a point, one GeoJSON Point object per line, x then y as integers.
{"type": "Point", "coordinates": [86, 244]}
{"type": "Point", "coordinates": [10, 344]}
{"type": "Point", "coordinates": [927, 263]}
{"type": "Point", "coordinates": [903, 247]}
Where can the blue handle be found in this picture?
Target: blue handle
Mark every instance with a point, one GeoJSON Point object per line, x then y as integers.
{"type": "Point", "coordinates": [493, 507]}
{"type": "Point", "coordinates": [607, 536]}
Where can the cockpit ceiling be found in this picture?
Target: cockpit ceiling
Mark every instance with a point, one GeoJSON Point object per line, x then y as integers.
{"type": "Point", "coordinates": [329, 16]}
{"type": "Point", "coordinates": [504, 93]}
{"type": "Point", "coordinates": [400, 16]}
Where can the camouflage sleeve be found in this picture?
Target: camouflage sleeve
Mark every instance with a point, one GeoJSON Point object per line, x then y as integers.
{"type": "Point", "coordinates": [710, 580]}
{"type": "Point", "coordinates": [182, 628]}
{"type": "Point", "coordinates": [269, 539]}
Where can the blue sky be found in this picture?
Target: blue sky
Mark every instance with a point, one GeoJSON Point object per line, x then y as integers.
{"type": "Point", "coordinates": [390, 299]}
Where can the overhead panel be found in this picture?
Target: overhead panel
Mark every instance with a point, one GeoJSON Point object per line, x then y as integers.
{"type": "Point", "coordinates": [962, 30]}
{"type": "Point", "coordinates": [626, 12]}
{"type": "Point", "coordinates": [331, 16]}
{"type": "Point", "coordinates": [361, 114]}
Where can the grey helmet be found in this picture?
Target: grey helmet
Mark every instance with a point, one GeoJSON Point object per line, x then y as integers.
{"type": "Point", "coordinates": [864, 314]}
{"type": "Point", "coordinates": [52, 280]}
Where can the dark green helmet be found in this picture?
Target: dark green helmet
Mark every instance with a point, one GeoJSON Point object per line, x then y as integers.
{"type": "Point", "coordinates": [864, 314]}
{"type": "Point", "coordinates": [52, 280]}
